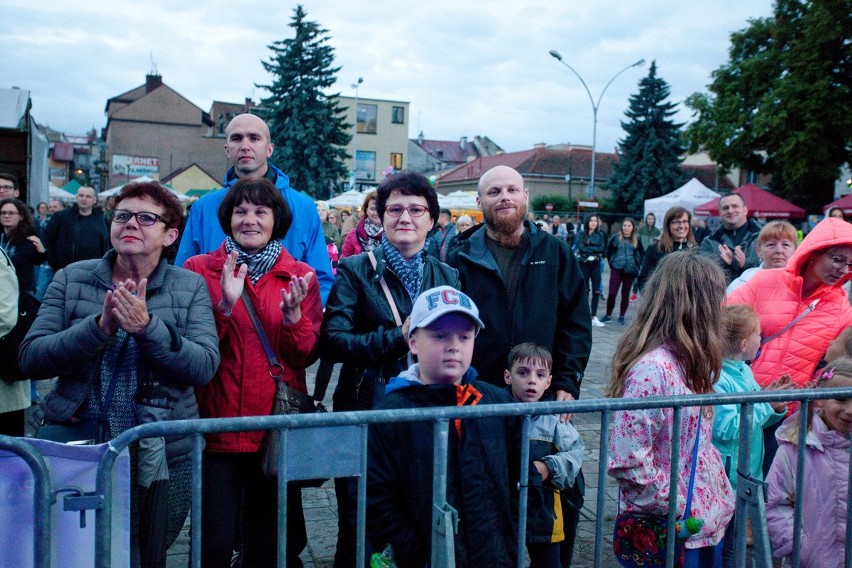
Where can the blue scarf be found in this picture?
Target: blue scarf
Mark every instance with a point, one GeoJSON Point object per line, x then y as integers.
{"type": "Point", "coordinates": [409, 272]}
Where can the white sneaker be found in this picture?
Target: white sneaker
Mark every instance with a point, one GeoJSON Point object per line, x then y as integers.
{"type": "Point", "coordinates": [597, 323]}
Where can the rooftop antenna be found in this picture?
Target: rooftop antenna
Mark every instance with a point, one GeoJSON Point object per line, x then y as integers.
{"type": "Point", "coordinates": [153, 65]}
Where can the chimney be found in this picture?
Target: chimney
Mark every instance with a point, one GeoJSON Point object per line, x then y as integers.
{"type": "Point", "coordinates": [463, 143]}
{"type": "Point", "coordinates": [153, 82]}
{"type": "Point", "coordinates": [420, 138]}
{"type": "Point", "coordinates": [249, 104]}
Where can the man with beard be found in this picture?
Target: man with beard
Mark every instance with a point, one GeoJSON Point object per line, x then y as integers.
{"type": "Point", "coordinates": [528, 287]}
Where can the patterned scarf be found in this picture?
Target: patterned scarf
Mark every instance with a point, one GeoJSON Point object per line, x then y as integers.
{"type": "Point", "coordinates": [258, 263]}
{"type": "Point", "coordinates": [369, 235]}
{"type": "Point", "coordinates": [118, 363]}
{"type": "Point", "coordinates": [410, 272]}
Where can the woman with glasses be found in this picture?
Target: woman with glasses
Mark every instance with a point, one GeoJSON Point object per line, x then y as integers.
{"type": "Point", "coordinates": [20, 242]}
{"type": "Point", "coordinates": [676, 235]}
{"type": "Point", "coordinates": [360, 328]}
{"type": "Point", "coordinates": [802, 307]}
{"type": "Point", "coordinates": [124, 333]}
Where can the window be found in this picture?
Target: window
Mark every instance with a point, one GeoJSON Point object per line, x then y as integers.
{"type": "Point", "coordinates": [367, 118]}
{"type": "Point", "coordinates": [396, 160]}
{"type": "Point", "coordinates": [365, 165]}
{"type": "Point", "coordinates": [398, 116]}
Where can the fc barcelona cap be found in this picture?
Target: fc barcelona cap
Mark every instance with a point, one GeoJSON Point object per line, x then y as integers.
{"type": "Point", "coordinates": [439, 301]}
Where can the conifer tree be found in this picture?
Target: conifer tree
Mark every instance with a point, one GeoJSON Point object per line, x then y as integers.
{"type": "Point", "coordinates": [650, 154]}
{"type": "Point", "coordinates": [307, 125]}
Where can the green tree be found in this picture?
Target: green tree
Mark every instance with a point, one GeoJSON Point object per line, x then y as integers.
{"type": "Point", "coordinates": [307, 126]}
{"type": "Point", "coordinates": [781, 104]}
{"type": "Point", "coordinates": [650, 154]}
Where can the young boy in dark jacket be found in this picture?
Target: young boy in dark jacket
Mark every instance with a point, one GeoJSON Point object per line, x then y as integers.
{"type": "Point", "coordinates": [481, 468]}
{"type": "Point", "coordinates": [556, 454]}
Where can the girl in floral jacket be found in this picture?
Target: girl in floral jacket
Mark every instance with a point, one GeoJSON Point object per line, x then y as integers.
{"type": "Point", "coordinates": [673, 347]}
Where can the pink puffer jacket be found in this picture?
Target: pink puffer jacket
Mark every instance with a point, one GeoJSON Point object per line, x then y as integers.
{"type": "Point", "coordinates": [776, 295]}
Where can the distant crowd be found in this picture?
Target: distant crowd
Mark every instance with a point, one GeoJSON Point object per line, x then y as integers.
{"type": "Point", "coordinates": [147, 314]}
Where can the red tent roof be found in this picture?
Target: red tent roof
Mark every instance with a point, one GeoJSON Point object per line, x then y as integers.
{"type": "Point", "coordinates": [760, 203]}
{"type": "Point", "coordinates": [844, 203]}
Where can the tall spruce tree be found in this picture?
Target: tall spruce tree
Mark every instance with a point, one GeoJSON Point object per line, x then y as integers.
{"type": "Point", "coordinates": [650, 154]}
{"type": "Point", "coordinates": [307, 125]}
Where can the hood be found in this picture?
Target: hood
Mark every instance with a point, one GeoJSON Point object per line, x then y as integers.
{"type": "Point", "coordinates": [828, 233]}
{"type": "Point", "coordinates": [818, 437]}
{"type": "Point", "coordinates": [410, 378]}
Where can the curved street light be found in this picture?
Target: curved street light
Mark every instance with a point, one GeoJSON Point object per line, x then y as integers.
{"type": "Point", "coordinates": [595, 105]}
{"type": "Point", "coordinates": [355, 136]}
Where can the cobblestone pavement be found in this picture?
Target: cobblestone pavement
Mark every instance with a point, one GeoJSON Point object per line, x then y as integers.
{"type": "Point", "coordinates": [321, 510]}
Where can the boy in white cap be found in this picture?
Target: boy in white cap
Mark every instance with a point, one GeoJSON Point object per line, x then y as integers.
{"type": "Point", "coordinates": [482, 453]}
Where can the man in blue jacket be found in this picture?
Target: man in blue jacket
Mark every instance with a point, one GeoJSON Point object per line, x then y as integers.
{"type": "Point", "coordinates": [248, 146]}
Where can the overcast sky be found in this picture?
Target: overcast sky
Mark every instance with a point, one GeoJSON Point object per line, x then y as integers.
{"type": "Point", "coordinates": [467, 68]}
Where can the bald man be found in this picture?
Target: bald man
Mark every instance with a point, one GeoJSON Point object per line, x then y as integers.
{"type": "Point", "coordinates": [248, 147]}
{"type": "Point", "coordinates": [528, 287]}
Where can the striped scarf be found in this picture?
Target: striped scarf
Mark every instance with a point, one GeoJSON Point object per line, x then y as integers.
{"type": "Point", "coordinates": [259, 263]}
{"type": "Point", "coordinates": [409, 272]}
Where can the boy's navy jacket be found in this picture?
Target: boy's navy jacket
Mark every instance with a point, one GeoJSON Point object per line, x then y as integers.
{"type": "Point", "coordinates": [482, 475]}
{"type": "Point", "coordinates": [560, 447]}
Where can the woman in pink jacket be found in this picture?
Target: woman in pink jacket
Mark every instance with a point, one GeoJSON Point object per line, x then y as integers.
{"type": "Point", "coordinates": [673, 347]}
{"type": "Point", "coordinates": [367, 235]}
{"type": "Point", "coordinates": [826, 477]}
{"type": "Point", "coordinates": [813, 277]}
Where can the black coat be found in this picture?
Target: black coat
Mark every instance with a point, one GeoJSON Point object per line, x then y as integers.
{"type": "Point", "coordinates": [70, 237]}
{"type": "Point", "coordinates": [551, 307]}
{"type": "Point", "coordinates": [359, 330]}
{"type": "Point", "coordinates": [482, 475]}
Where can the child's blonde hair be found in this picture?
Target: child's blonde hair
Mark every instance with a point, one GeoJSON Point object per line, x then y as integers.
{"type": "Point", "coordinates": [824, 378]}
{"type": "Point", "coordinates": [739, 321]}
{"type": "Point", "coordinates": [845, 339]}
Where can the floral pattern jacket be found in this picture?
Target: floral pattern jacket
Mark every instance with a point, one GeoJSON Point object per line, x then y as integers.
{"type": "Point", "coordinates": [640, 451]}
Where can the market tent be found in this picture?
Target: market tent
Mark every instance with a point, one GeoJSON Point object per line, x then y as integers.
{"type": "Point", "coordinates": [458, 200]}
{"type": "Point", "coordinates": [844, 203]}
{"type": "Point", "coordinates": [54, 192]}
{"type": "Point", "coordinates": [350, 198]}
{"type": "Point", "coordinates": [689, 195]}
{"type": "Point", "coordinates": [141, 179]}
{"type": "Point", "coordinates": [760, 203]}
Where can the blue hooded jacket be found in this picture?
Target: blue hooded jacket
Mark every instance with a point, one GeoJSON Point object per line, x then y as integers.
{"type": "Point", "coordinates": [304, 241]}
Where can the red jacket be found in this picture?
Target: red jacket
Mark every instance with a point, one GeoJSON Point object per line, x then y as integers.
{"type": "Point", "coordinates": [242, 386]}
{"type": "Point", "coordinates": [776, 295]}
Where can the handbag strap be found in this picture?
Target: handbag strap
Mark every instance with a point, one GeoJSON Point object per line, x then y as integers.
{"type": "Point", "coordinates": [386, 290]}
{"type": "Point", "coordinates": [798, 318]}
{"type": "Point", "coordinates": [276, 369]}
{"type": "Point", "coordinates": [688, 507]}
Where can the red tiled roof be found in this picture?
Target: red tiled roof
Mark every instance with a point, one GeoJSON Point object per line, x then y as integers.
{"type": "Point", "coordinates": [538, 162]}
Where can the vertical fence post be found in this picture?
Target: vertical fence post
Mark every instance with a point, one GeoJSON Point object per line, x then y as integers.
{"type": "Point", "coordinates": [804, 410]}
{"type": "Point", "coordinates": [443, 516]}
{"type": "Point", "coordinates": [741, 473]}
{"type": "Point", "coordinates": [361, 523]}
{"type": "Point", "coordinates": [283, 440]}
{"type": "Point", "coordinates": [195, 511]}
{"type": "Point", "coordinates": [673, 484]}
{"type": "Point", "coordinates": [601, 498]}
{"type": "Point", "coordinates": [523, 486]}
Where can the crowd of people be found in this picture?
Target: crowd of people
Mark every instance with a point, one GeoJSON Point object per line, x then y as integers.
{"type": "Point", "coordinates": [423, 310]}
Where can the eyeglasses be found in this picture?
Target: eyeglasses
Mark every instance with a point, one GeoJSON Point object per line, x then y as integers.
{"type": "Point", "coordinates": [144, 218]}
{"type": "Point", "coordinates": [7, 187]}
{"type": "Point", "coordinates": [9, 213]}
{"type": "Point", "coordinates": [679, 222]}
{"type": "Point", "coordinates": [413, 210]}
{"type": "Point", "coordinates": [839, 262]}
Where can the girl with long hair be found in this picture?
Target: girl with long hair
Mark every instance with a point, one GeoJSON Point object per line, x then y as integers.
{"type": "Point", "coordinates": [590, 248]}
{"type": "Point", "coordinates": [673, 347]}
{"type": "Point", "coordinates": [624, 254]}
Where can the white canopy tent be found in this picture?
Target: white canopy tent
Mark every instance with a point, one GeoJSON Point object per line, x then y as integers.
{"type": "Point", "coordinates": [351, 198]}
{"type": "Point", "coordinates": [458, 200]}
{"type": "Point", "coordinates": [689, 196]}
{"type": "Point", "coordinates": [60, 194]}
{"type": "Point", "coordinates": [143, 179]}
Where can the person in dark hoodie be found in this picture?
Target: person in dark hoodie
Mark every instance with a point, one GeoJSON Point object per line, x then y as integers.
{"type": "Point", "coordinates": [481, 463]}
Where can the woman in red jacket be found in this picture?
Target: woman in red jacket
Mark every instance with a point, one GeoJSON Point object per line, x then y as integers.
{"type": "Point", "coordinates": [239, 504]}
{"type": "Point", "coordinates": [367, 235]}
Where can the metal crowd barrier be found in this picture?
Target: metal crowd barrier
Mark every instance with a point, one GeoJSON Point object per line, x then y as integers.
{"type": "Point", "coordinates": [335, 445]}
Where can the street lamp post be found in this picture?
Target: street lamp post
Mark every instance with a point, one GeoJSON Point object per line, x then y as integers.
{"type": "Point", "coordinates": [355, 135]}
{"type": "Point", "coordinates": [595, 105]}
